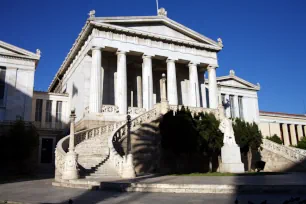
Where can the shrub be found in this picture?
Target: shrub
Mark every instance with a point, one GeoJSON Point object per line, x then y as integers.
{"type": "Point", "coordinates": [275, 139]}
{"type": "Point", "coordinates": [302, 144]}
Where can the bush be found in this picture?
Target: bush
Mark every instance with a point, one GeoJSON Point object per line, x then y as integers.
{"type": "Point", "coordinates": [275, 139]}
{"type": "Point", "coordinates": [302, 144]}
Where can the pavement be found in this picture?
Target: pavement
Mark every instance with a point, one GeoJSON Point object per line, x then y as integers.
{"type": "Point", "coordinates": [41, 191]}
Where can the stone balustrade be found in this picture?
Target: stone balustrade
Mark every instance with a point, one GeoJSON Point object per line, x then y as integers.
{"type": "Point", "coordinates": [284, 151]}
{"type": "Point", "coordinates": [136, 110]}
{"type": "Point", "coordinates": [110, 109]}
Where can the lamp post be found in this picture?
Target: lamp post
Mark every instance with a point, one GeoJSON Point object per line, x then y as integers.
{"type": "Point", "coordinates": [70, 168]}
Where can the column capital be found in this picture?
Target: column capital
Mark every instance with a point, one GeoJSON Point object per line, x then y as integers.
{"type": "Point", "coordinates": [146, 56]}
{"type": "Point", "coordinates": [123, 52]}
{"type": "Point", "coordinates": [212, 66]}
{"type": "Point", "coordinates": [192, 64]}
{"type": "Point", "coordinates": [96, 48]}
{"type": "Point", "coordinates": [170, 60]}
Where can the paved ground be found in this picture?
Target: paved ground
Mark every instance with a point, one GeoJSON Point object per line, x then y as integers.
{"type": "Point", "coordinates": [41, 191]}
{"type": "Point", "coordinates": [279, 179]}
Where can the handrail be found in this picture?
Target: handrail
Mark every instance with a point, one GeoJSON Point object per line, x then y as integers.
{"type": "Point", "coordinates": [298, 150]}
{"type": "Point", "coordinates": [284, 151]}
{"type": "Point", "coordinates": [117, 160]}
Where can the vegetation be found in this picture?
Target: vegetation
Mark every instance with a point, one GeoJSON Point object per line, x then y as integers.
{"type": "Point", "coordinates": [18, 146]}
{"type": "Point", "coordinates": [275, 139]}
{"type": "Point", "coordinates": [302, 144]}
{"type": "Point", "coordinates": [211, 138]}
{"type": "Point", "coordinates": [186, 139]}
{"type": "Point", "coordinates": [231, 174]}
{"type": "Point", "coordinates": [248, 137]}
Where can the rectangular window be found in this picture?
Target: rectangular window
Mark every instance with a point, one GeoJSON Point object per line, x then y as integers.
{"type": "Point", "coordinates": [58, 117]}
{"type": "Point", "coordinates": [2, 85]}
{"type": "Point", "coordinates": [232, 109]}
{"type": "Point", "coordinates": [48, 111]}
{"type": "Point", "coordinates": [38, 110]}
{"type": "Point", "coordinates": [240, 105]}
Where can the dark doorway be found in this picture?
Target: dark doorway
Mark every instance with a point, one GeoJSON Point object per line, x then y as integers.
{"type": "Point", "coordinates": [46, 150]}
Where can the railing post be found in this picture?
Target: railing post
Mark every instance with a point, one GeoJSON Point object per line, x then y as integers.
{"type": "Point", "coordinates": [164, 102]}
{"type": "Point", "coordinates": [70, 168]}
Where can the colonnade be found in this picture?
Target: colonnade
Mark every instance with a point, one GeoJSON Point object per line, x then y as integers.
{"type": "Point", "coordinates": [145, 97]}
{"type": "Point", "coordinates": [292, 133]}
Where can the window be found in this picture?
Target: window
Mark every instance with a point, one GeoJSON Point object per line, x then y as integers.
{"type": "Point", "coordinates": [38, 110]}
{"type": "Point", "coordinates": [240, 105]}
{"type": "Point", "coordinates": [48, 111]}
{"type": "Point", "coordinates": [223, 99]}
{"type": "Point", "coordinates": [2, 85]}
{"type": "Point", "coordinates": [58, 117]}
{"type": "Point", "coordinates": [232, 109]}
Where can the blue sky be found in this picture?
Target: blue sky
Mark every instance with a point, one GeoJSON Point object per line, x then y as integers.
{"type": "Point", "coordinates": [264, 40]}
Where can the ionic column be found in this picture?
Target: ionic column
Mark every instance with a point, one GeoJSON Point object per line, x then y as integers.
{"type": "Point", "coordinates": [95, 96]}
{"type": "Point", "coordinates": [293, 135]}
{"type": "Point", "coordinates": [285, 134]}
{"type": "Point", "coordinates": [212, 87]}
{"type": "Point", "coordinates": [147, 82]}
{"type": "Point", "coordinates": [300, 132]}
{"type": "Point", "coordinates": [139, 92]}
{"type": "Point", "coordinates": [194, 92]}
{"type": "Point", "coordinates": [171, 82]}
{"type": "Point", "coordinates": [121, 88]}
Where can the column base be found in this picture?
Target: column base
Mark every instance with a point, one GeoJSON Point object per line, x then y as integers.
{"type": "Point", "coordinates": [231, 159]}
{"type": "Point", "coordinates": [128, 167]}
{"type": "Point", "coordinates": [70, 169]}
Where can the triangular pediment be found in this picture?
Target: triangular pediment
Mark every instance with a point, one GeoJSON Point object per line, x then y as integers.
{"type": "Point", "coordinates": [160, 26]}
{"type": "Point", "coordinates": [234, 81]}
{"type": "Point", "coordinates": [11, 50]}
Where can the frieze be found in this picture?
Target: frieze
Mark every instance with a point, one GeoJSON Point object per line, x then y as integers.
{"type": "Point", "coordinates": [177, 47]}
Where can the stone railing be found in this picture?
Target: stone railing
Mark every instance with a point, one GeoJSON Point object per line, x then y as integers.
{"type": "Point", "coordinates": [193, 110]}
{"type": "Point", "coordinates": [110, 109]}
{"type": "Point", "coordinates": [136, 111]}
{"type": "Point", "coordinates": [298, 150]}
{"type": "Point", "coordinates": [114, 141]}
{"type": "Point", "coordinates": [62, 145]}
{"type": "Point", "coordinates": [284, 151]}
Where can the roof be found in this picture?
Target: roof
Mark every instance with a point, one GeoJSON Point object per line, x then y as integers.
{"type": "Point", "coordinates": [281, 114]}
{"type": "Point", "coordinates": [112, 23]}
{"type": "Point", "coordinates": [14, 51]}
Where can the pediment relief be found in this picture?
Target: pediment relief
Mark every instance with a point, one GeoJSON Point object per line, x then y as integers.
{"type": "Point", "coordinates": [236, 82]}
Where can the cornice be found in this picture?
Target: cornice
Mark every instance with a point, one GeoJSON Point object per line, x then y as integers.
{"type": "Point", "coordinates": [27, 54]}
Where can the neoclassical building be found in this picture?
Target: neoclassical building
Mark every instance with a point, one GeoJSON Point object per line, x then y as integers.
{"type": "Point", "coordinates": [121, 66]}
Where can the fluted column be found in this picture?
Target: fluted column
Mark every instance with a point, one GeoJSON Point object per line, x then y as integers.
{"type": "Point", "coordinates": [171, 82]}
{"type": "Point", "coordinates": [202, 89]}
{"type": "Point", "coordinates": [300, 132]}
{"type": "Point", "coordinates": [293, 135]}
{"type": "Point", "coordinates": [194, 92]}
{"type": "Point", "coordinates": [212, 87]}
{"type": "Point", "coordinates": [147, 82]}
{"type": "Point", "coordinates": [121, 88]}
{"type": "Point", "coordinates": [95, 97]}
{"type": "Point", "coordinates": [285, 134]}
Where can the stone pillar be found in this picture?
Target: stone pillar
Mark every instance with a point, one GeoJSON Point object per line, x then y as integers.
{"type": "Point", "coordinates": [121, 88]}
{"type": "Point", "coordinates": [293, 134]}
{"type": "Point", "coordinates": [139, 92]}
{"type": "Point", "coordinates": [212, 79]}
{"type": "Point", "coordinates": [236, 106]}
{"type": "Point", "coordinates": [147, 82]}
{"type": "Point", "coordinates": [171, 82]}
{"type": "Point", "coordinates": [300, 132]}
{"type": "Point", "coordinates": [285, 134]}
{"type": "Point", "coordinates": [194, 92]}
{"type": "Point", "coordinates": [203, 89]}
{"type": "Point", "coordinates": [95, 81]}
{"type": "Point", "coordinates": [70, 167]}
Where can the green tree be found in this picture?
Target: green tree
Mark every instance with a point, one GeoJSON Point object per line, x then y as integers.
{"type": "Point", "coordinates": [302, 144]}
{"type": "Point", "coordinates": [19, 145]}
{"type": "Point", "coordinates": [248, 137]}
{"type": "Point", "coordinates": [211, 138]}
{"type": "Point", "coordinates": [275, 138]}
